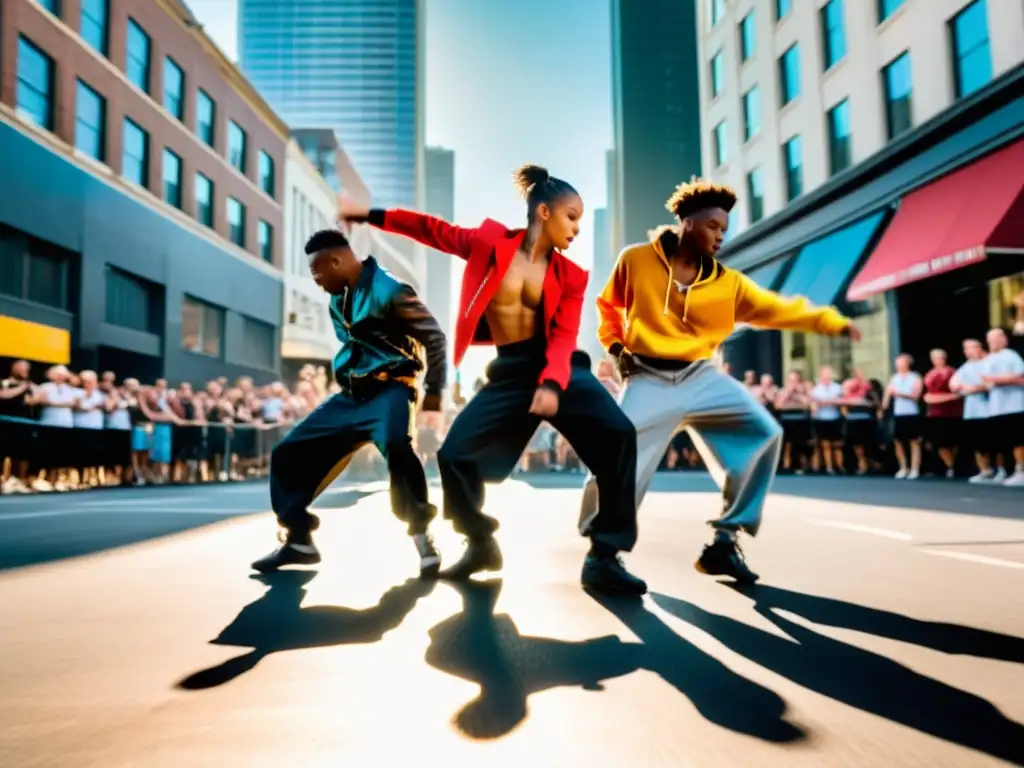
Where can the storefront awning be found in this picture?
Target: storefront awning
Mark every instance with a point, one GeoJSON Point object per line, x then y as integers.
{"type": "Point", "coordinates": [822, 268]}
{"type": "Point", "coordinates": [950, 223]}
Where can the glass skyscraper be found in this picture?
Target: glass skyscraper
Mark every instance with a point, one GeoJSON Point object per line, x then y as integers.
{"type": "Point", "coordinates": [354, 66]}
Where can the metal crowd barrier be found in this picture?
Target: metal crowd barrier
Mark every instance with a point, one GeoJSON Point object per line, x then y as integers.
{"type": "Point", "coordinates": [224, 447]}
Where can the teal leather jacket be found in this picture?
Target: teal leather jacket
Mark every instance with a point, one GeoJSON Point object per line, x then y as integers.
{"type": "Point", "coordinates": [385, 332]}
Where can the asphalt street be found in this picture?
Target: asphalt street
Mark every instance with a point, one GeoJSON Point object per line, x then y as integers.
{"type": "Point", "coordinates": [886, 631]}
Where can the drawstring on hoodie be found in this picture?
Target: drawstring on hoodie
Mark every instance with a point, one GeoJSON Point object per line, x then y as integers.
{"type": "Point", "coordinates": [659, 249]}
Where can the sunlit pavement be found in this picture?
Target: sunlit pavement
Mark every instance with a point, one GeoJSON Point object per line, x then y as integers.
{"type": "Point", "coordinates": [885, 632]}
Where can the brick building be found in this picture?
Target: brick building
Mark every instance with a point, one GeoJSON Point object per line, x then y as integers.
{"type": "Point", "coordinates": [141, 213]}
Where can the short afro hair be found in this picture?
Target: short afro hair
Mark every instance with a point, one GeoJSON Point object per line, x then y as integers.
{"type": "Point", "coordinates": [324, 239]}
{"type": "Point", "coordinates": [700, 195]}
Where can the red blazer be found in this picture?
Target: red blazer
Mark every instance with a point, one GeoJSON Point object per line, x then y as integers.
{"type": "Point", "coordinates": [488, 251]}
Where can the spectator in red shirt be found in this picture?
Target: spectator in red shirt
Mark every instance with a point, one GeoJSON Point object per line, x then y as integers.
{"type": "Point", "coordinates": [944, 410]}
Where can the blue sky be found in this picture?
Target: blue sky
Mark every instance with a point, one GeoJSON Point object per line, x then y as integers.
{"type": "Point", "coordinates": [508, 82]}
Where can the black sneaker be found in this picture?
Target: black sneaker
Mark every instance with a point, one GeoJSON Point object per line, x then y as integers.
{"type": "Point", "coordinates": [606, 574]}
{"type": "Point", "coordinates": [296, 549]}
{"type": "Point", "coordinates": [430, 558]}
{"type": "Point", "coordinates": [480, 555]}
{"type": "Point", "coordinates": [725, 558]}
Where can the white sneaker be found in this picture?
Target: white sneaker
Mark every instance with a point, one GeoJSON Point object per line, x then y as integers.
{"type": "Point", "coordinates": [902, 474]}
{"type": "Point", "coordinates": [1016, 479]}
{"type": "Point", "coordinates": [982, 477]}
{"type": "Point", "coordinates": [913, 475]}
{"type": "Point", "coordinates": [999, 477]}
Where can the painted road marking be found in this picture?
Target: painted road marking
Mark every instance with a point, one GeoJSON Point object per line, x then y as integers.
{"type": "Point", "coordinates": [175, 510]}
{"type": "Point", "coordinates": [968, 557]}
{"type": "Point", "coordinates": [884, 532]}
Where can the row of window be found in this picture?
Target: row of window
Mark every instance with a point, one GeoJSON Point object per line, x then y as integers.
{"type": "Point", "coordinates": [35, 102]}
{"type": "Point", "coordinates": [138, 69]}
{"type": "Point", "coordinates": [885, 8]}
{"type": "Point", "coordinates": [969, 39]}
{"type": "Point", "coordinates": [307, 220]}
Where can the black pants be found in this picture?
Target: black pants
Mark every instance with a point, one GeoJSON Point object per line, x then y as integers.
{"type": "Point", "coordinates": [320, 446]}
{"type": "Point", "coordinates": [489, 435]}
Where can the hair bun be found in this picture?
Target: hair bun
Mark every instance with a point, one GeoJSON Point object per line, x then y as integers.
{"type": "Point", "coordinates": [529, 175]}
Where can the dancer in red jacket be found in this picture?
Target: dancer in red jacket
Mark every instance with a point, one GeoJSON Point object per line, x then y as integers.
{"type": "Point", "coordinates": [522, 295]}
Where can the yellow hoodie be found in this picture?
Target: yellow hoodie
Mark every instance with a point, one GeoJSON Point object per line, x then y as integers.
{"type": "Point", "coordinates": [640, 309]}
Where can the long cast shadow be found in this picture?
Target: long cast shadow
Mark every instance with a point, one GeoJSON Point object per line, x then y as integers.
{"type": "Point", "coordinates": [488, 649]}
{"type": "Point", "coordinates": [857, 677]}
{"type": "Point", "coordinates": [721, 695]}
{"type": "Point", "coordinates": [277, 622]}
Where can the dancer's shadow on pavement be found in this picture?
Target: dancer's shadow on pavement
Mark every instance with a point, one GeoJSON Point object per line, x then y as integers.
{"type": "Point", "coordinates": [479, 646]}
{"type": "Point", "coordinates": [863, 679]}
{"type": "Point", "coordinates": [277, 622]}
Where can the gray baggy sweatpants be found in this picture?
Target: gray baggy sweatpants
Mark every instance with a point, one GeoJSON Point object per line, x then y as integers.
{"type": "Point", "coordinates": [735, 435]}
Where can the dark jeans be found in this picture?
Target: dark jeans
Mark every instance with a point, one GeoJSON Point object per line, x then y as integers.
{"type": "Point", "coordinates": [320, 446]}
{"type": "Point", "coordinates": [489, 435]}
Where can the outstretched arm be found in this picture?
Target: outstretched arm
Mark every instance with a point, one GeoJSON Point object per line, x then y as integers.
{"type": "Point", "coordinates": [766, 309]}
{"type": "Point", "coordinates": [429, 230]}
{"type": "Point", "coordinates": [421, 325]}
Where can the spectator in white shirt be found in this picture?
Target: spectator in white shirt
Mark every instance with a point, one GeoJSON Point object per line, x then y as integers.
{"type": "Point", "coordinates": [904, 392]}
{"type": "Point", "coordinates": [826, 397]}
{"type": "Point", "coordinates": [1003, 374]}
{"type": "Point", "coordinates": [977, 433]}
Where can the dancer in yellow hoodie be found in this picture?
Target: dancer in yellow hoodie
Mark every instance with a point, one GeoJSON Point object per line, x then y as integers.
{"type": "Point", "coordinates": [664, 312]}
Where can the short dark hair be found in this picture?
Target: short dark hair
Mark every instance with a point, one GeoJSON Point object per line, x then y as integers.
{"type": "Point", "coordinates": [700, 195]}
{"type": "Point", "coordinates": [325, 238]}
{"type": "Point", "coordinates": [538, 186]}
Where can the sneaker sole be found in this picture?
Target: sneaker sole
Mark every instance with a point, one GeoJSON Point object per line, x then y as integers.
{"type": "Point", "coordinates": [615, 591]}
{"type": "Point", "coordinates": [752, 579]}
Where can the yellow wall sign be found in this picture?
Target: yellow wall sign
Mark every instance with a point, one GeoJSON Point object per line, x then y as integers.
{"type": "Point", "coordinates": [34, 342]}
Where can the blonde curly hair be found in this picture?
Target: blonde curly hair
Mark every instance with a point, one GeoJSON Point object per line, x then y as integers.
{"type": "Point", "coordinates": [700, 194]}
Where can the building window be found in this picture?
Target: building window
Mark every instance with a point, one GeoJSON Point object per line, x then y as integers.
{"type": "Point", "coordinates": [833, 33]}
{"type": "Point", "coordinates": [206, 116]}
{"type": "Point", "coordinates": [839, 152]}
{"type": "Point", "coordinates": [94, 24]}
{"type": "Point", "coordinates": [751, 113]}
{"type": "Point", "coordinates": [236, 146]}
{"type": "Point", "coordinates": [972, 61]}
{"type": "Point", "coordinates": [204, 200]}
{"type": "Point", "coordinates": [33, 270]}
{"type": "Point", "coordinates": [90, 122]}
{"type": "Point", "coordinates": [793, 157]}
{"type": "Point", "coordinates": [266, 236]}
{"type": "Point", "coordinates": [747, 33]}
{"type": "Point", "coordinates": [755, 194]}
{"type": "Point", "coordinates": [898, 88]}
{"type": "Point", "coordinates": [717, 11]}
{"type": "Point", "coordinates": [172, 178]}
{"type": "Point", "coordinates": [721, 144]}
{"type": "Point", "coordinates": [202, 327]}
{"type": "Point", "coordinates": [129, 301]}
{"type": "Point", "coordinates": [789, 74]}
{"type": "Point", "coordinates": [136, 64]}
{"type": "Point", "coordinates": [174, 89]}
{"type": "Point", "coordinates": [35, 84]}
{"type": "Point", "coordinates": [135, 158]}
{"type": "Point", "coordinates": [258, 342]}
{"type": "Point", "coordinates": [53, 6]}
{"type": "Point", "coordinates": [267, 180]}
{"type": "Point", "coordinates": [887, 8]}
{"type": "Point", "coordinates": [236, 222]}
{"type": "Point", "coordinates": [717, 74]}
{"type": "Point", "coordinates": [782, 9]}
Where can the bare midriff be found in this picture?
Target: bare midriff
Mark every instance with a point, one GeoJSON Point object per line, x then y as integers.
{"type": "Point", "coordinates": [512, 313]}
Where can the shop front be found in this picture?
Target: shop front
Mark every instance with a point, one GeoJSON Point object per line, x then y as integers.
{"type": "Point", "coordinates": [923, 244]}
